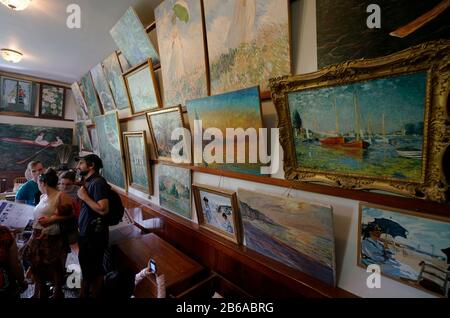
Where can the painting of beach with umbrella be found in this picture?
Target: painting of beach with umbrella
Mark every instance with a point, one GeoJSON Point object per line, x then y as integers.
{"type": "Point", "coordinates": [409, 247]}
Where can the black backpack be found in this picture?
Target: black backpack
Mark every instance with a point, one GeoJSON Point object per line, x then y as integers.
{"type": "Point", "coordinates": [116, 209]}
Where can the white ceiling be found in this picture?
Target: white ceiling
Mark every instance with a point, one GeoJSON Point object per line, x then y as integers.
{"type": "Point", "coordinates": [52, 50]}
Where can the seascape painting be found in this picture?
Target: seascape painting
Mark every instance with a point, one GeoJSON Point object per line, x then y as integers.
{"type": "Point", "coordinates": [343, 34]}
{"type": "Point", "coordinates": [82, 110]}
{"type": "Point", "coordinates": [113, 75]}
{"type": "Point", "coordinates": [248, 42]}
{"type": "Point", "coordinates": [90, 96]}
{"type": "Point", "coordinates": [372, 128]}
{"type": "Point", "coordinates": [52, 100]}
{"type": "Point", "coordinates": [180, 32]}
{"type": "Point", "coordinates": [84, 141]}
{"type": "Point", "coordinates": [143, 89]}
{"type": "Point", "coordinates": [110, 146]}
{"type": "Point", "coordinates": [295, 233]}
{"type": "Point", "coordinates": [161, 124]}
{"type": "Point", "coordinates": [239, 109]}
{"type": "Point", "coordinates": [102, 87]}
{"type": "Point", "coordinates": [138, 164]}
{"type": "Point", "coordinates": [17, 96]}
{"type": "Point", "coordinates": [31, 143]}
{"type": "Point", "coordinates": [132, 39]}
{"type": "Point", "coordinates": [175, 190]}
{"type": "Point", "coordinates": [410, 247]}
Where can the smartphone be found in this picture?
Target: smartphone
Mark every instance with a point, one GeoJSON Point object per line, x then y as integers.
{"type": "Point", "coordinates": [152, 266]}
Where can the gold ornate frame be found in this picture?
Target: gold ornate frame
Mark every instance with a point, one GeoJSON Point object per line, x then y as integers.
{"type": "Point", "coordinates": [432, 57]}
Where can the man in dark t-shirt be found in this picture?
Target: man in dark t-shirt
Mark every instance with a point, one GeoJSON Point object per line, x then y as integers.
{"type": "Point", "coordinates": [94, 232]}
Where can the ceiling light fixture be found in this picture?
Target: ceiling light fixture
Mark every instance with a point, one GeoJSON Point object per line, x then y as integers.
{"type": "Point", "coordinates": [11, 55]}
{"type": "Point", "coordinates": [16, 5]}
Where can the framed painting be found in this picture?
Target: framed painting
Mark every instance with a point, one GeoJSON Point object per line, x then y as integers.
{"type": "Point", "coordinates": [94, 140]}
{"type": "Point", "coordinates": [218, 212]}
{"type": "Point", "coordinates": [181, 44]}
{"type": "Point", "coordinates": [18, 96]}
{"type": "Point", "coordinates": [298, 234]}
{"type": "Point", "coordinates": [161, 125]}
{"type": "Point", "coordinates": [410, 247]}
{"type": "Point", "coordinates": [103, 89]}
{"type": "Point", "coordinates": [20, 144]}
{"type": "Point", "coordinates": [235, 110]}
{"type": "Point", "coordinates": [123, 62]}
{"type": "Point", "coordinates": [52, 100]}
{"type": "Point", "coordinates": [113, 75]}
{"type": "Point", "coordinates": [132, 39]}
{"type": "Point", "coordinates": [110, 147]}
{"type": "Point", "coordinates": [84, 140]}
{"type": "Point", "coordinates": [175, 190]}
{"type": "Point", "coordinates": [90, 96]}
{"type": "Point", "coordinates": [138, 161]}
{"type": "Point", "coordinates": [142, 88]}
{"type": "Point", "coordinates": [82, 110]}
{"type": "Point", "coordinates": [369, 124]}
{"type": "Point", "coordinates": [248, 43]}
{"type": "Point", "coordinates": [343, 33]}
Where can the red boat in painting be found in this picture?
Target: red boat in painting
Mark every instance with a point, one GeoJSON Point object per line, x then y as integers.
{"type": "Point", "coordinates": [332, 141]}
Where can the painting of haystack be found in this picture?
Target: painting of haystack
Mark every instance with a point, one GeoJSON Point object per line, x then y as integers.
{"type": "Point", "coordinates": [248, 42]}
{"type": "Point", "coordinates": [295, 233]}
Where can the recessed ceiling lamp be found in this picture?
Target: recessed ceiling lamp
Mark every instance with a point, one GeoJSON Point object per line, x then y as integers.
{"type": "Point", "coordinates": [16, 5]}
{"type": "Point", "coordinates": [11, 55]}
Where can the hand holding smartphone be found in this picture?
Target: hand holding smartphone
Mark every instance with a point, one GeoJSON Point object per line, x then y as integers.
{"type": "Point", "coordinates": [152, 266]}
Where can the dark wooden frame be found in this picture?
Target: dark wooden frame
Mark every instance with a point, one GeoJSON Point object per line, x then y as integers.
{"type": "Point", "coordinates": [41, 88]}
{"type": "Point", "coordinates": [32, 97]}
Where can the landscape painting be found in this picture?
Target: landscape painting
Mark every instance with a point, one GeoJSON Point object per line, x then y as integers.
{"type": "Point", "coordinates": [31, 143]}
{"type": "Point", "coordinates": [94, 140]}
{"type": "Point", "coordinates": [110, 146]}
{"type": "Point", "coordinates": [17, 96]}
{"type": "Point", "coordinates": [82, 110]}
{"type": "Point", "coordinates": [90, 96]}
{"type": "Point", "coordinates": [410, 247]}
{"type": "Point", "coordinates": [179, 28]}
{"type": "Point", "coordinates": [52, 101]}
{"type": "Point", "coordinates": [239, 109]}
{"type": "Point", "coordinates": [248, 42]}
{"type": "Point", "coordinates": [175, 190]}
{"type": "Point", "coordinates": [217, 211]}
{"type": "Point", "coordinates": [102, 87]}
{"type": "Point", "coordinates": [84, 140]}
{"type": "Point", "coordinates": [143, 89]}
{"type": "Point", "coordinates": [138, 161]}
{"type": "Point", "coordinates": [132, 39]}
{"type": "Point", "coordinates": [295, 233]}
{"type": "Point", "coordinates": [161, 124]}
{"type": "Point", "coordinates": [371, 128]}
{"type": "Point", "coordinates": [343, 33]}
{"type": "Point", "coordinates": [113, 75]}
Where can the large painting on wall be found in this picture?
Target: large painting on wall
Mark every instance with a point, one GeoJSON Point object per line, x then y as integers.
{"type": "Point", "coordinates": [248, 42]}
{"type": "Point", "coordinates": [110, 147]}
{"type": "Point", "coordinates": [239, 109]}
{"type": "Point", "coordinates": [179, 28]}
{"type": "Point", "coordinates": [132, 39]}
{"type": "Point", "coordinates": [17, 96]}
{"type": "Point", "coordinates": [113, 75]}
{"type": "Point", "coordinates": [84, 140]}
{"type": "Point", "coordinates": [52, 101]}
{"type": "Point", "coordinates": [369, 124]}
{"type": "Point", "coordinates": [297, 234]}
{"type": "Point", "coordinates": [175, 189]}
{"type": "Point", "coordinates": [408, 247]}
{"type": "Point", "coordinates": [82, 109]}
{"type": "Point", "coordinates": [90, 96]}
{"type": "Point", "coordinates": [102, 87]}
{"type": "Point", "coordinates": [138, 161]}
{"type": "Point", "coordinates": [31, 143]}
{"type": "Point", "coordinates": [343, 34]}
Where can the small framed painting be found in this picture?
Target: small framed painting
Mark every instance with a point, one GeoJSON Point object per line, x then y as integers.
{"type": "Point", "coordinates": [17, 97]}
{"type": "Point", "coordinates": [51, 101]}
{"type": "Point", "coordinates": [218, 212]}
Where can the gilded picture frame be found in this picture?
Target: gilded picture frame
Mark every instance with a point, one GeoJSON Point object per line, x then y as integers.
{"type": "Point", "coordinates": [134, 181]}
{"type": "Point", "coordinates": [220, 225]}
{"type": "Point", "coordinates": [428, 62]}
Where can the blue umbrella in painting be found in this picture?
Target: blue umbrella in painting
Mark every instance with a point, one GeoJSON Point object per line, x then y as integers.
{"type": "Point", "coordinates": [390, 227]}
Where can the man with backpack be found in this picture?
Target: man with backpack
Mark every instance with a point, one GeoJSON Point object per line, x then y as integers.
{"type": "Point", "coordinates": [93, 224]}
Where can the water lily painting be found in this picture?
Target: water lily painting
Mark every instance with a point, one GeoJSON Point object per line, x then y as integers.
{"type": "Point", "coordinates": [113, 75]}
{"type": "Point", "coordinates": [88, 89]}
{"type": "Point", "coordinates": [52, 100]}
{"type": "Point", "coordinates": [182, 49]}
{"type": "Point", "coordinates": [84, 140]}
{"type": "Point", "coordinates": [102, 87]}
{"type": "Point", "coordinates": [82, 109]}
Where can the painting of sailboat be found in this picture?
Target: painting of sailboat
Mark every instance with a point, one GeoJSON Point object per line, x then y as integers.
{"type": "Point", "coordinates": [370, 128]}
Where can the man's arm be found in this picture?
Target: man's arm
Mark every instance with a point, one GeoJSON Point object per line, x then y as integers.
{"type": "Point", "coordinates": [101, 207]}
